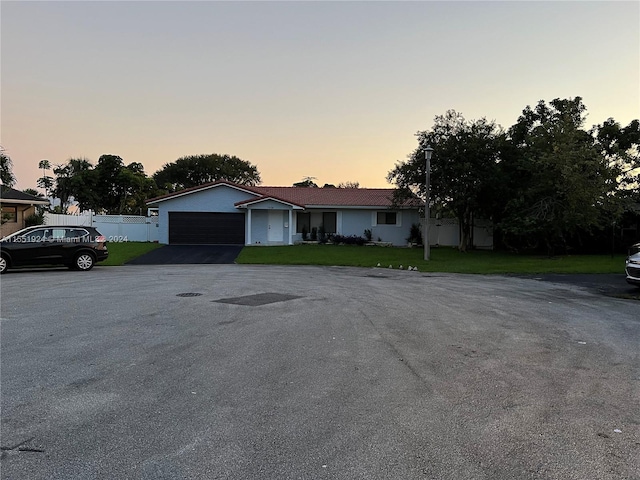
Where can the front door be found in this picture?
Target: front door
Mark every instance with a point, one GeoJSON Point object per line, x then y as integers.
{"type": "Point", "coordinates": [275, 233]}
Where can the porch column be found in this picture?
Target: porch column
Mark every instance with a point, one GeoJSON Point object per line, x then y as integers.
{"type": "Point", "coordinates": [249, 242]}
{"type": "Point", "coordinates": [290, 226]}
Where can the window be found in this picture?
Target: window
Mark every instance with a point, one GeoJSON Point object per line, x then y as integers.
{"type": "Point", "coordinates": [329, 222]}
{"type": "Point", "coordinates": [34, 236]}
{"type": "Point", "coordinates": [387, 218]}
{"type": "Point", "coordinates": [303, 220]}
{"type": "Point", "coordinates": [76, 234]}
{"type": "Point", "coordinates": [58, 233]}
{"type": "Point", "coordinates": [9, 214]}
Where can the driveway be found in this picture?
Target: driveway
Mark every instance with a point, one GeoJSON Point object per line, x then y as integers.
{"type": "Point", "coordinates": [246, 372]}
{"type": "Point", "coordinates": [612, 284]}
{"type": "Point", "coordinates": [189, 254]}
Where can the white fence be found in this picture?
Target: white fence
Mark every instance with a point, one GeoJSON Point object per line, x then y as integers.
{"type": "Point", "coordinates": [446, 232]}
{"type": "Point", "coordinates": [132, 228]}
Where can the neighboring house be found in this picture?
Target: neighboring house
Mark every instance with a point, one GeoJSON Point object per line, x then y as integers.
{"type": "Point", "coordinates": [15, 207]}
{"type": "Point", "coordinates": [226, 213]}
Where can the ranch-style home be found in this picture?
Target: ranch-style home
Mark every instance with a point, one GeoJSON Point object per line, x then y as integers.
{"type": "Point", "coordinates": [227, 213]}
{"type": "Point", "coordinates": [15, 208]}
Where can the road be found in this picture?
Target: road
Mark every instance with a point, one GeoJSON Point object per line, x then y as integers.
{"type": "Point", "coordinates": [243, 372]}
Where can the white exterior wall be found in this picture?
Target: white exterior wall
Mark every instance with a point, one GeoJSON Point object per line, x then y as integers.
{"type": "Point", "coordinates": [356, 221]}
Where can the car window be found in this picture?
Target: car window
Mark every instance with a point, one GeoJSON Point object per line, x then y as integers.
{"type": "Point", "coordinates": [37, 235]}
{"type": "Point", "coordinates": [58, 233]}
{"type": "Point", "coordinates": [76, 233]}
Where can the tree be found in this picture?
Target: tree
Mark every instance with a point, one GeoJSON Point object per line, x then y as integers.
{"type": "Point", "coordinates": [561, 181]}
{"type": "Point", "coordinates": [306, 182]}
{"type": "Point", "coordinates": [72, 181]}
{"type": "Point", "coordinates": [464, 169]}
{"type": "Point", "coordinates": [45, 182]}
{"type": "Point", "coordinates": [349, 184]}
{"type": "Point", "coordinates": [6, 169]}
{"type": "Point", "coordinates": [137, 189]}
{"type": "Point", "coordinates": [621, 145]}
{"type": "Point", "coordinates": [121, 189]}
{"type": "Point", "coordinates": [194, 170]}
{"type": "Point", "coordinates": [111, 186]}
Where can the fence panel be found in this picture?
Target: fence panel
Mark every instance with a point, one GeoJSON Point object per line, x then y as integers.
{"type": "Point", "coordinates": [73, 220]}
{"type": "Point", "coordinates": [131, 228]}
{"type": "Point", "coordinates": [446, 232]}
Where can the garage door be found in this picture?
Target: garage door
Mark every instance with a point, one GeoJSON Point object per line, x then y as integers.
{"type": "Point", "coordinates": [200, 228]}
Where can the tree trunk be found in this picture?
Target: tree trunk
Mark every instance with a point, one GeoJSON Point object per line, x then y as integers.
{"type": "Point", "coordinates": [465, 230]}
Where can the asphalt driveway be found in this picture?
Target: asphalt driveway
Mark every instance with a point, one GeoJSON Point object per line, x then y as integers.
{"type": "Point", "coordinates": [612, 284]}
{"type": "Point", "coordinates": [189, 254]}
{"type": "Point", "coordinates": [263, 372]}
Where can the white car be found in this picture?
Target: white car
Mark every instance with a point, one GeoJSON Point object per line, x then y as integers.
{"type": "Point", "coordinates": [633, 265]}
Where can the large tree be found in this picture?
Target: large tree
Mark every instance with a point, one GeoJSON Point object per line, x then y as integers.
{"type": "Point", "coordinates": [194, 170]}
{"type": "Point", "coordinates": [6, 169]}
{"type": "Point", "coordinates": [73, 182]}
{"type": "Point", "coordinates": [621, 146]}
{"type": "Point", "coordinates": [561, 182]}
{"type": "Point", "coordinates": [122, 189]}
{"type": "Point", "coordinates": [110, 187]}
{"type": "Point", "coordinates": [464, 172]}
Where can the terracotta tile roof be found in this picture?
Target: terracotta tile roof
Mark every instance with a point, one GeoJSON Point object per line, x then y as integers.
{"type": "Point", "coordinates": [347, 197]}
{"type": "Point", "coordinates": [310, 197]}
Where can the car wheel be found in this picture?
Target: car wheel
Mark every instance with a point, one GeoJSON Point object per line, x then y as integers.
{"type": "Point", "coordinates": [84, 262]}
{"type": "Point", "coordinates": [4, 264]}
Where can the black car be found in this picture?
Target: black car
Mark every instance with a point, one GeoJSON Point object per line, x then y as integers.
{"type": "Point", "coordinates": [633, 265]}
{"type": "Point", "coordinates": [75, 247]}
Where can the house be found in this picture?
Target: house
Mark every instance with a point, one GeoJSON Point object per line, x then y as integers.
{"type": "Point", "coordinates": [222, 212]}
{"type": "Point", "coordinates": [15, 207]}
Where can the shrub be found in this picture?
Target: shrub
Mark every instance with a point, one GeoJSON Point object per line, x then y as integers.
{"type": "Point", "coordinates": [415, 234]}
{"type": "Point", "coordinates": [322, 236]}
{"type": "Point", "coordinates": [305, 233]}
{"type": "Point", "coordinates": [349, 240]}
{"type": "Point", "coordinates": [314, 234]}
{"type": "Point", "coordinates": [34, 219]}
{"type": "Point", "coordinates": [367, 235]}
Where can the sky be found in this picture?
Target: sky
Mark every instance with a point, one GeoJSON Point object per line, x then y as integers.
{"type": "Point", "coordinates": [327, 89]}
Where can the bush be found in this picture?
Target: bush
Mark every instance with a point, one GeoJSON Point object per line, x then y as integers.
{"type": "Point", "coordinates": [34, 219]}
{"type": "Point", "coordinates": [314, 234]}
{"type": "Point", "coordinates": [322, 236]}
{"type": "Point", "coordinates": [305, 233]}
{"type": "Point", "coordinates": [349, 240]}
{"type": "Point", "coordinates": [415, 234]}
{"type": "Point", "coordinates": [368, 235]}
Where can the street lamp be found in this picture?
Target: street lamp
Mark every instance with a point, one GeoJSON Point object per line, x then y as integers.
{"type": "Point", "coordinates": [427, 155]}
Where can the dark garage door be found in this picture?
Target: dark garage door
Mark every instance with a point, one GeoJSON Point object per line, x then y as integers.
{"type": "Point", "coordinates": [206, 228]}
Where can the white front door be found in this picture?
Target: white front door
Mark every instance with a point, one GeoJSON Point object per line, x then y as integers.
{"type": "Point", "coordinates": [276, 231]}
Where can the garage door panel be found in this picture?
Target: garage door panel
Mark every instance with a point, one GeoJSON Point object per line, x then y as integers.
{"type": "Point", "coordinates": [206, 228]}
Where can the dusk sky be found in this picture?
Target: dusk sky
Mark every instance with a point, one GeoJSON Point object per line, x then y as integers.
{"type": "Point", "coordinates": [332, 90]}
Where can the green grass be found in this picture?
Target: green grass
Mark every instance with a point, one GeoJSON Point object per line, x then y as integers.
{"type": "Point", "coordinates": [443, 259]}
{"type": "Point", "coordinates": [122, 252]}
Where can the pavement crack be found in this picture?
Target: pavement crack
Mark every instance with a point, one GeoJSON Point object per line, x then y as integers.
{"type": "Point", "coordinates": [20, 447]}
{"type": "Point", "coordinates": [398, 354]}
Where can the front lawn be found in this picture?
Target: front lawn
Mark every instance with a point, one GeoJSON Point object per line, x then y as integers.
{"type": "Point", "coordinates": [121, 252]}
{"type": "Point", "coordinates": [443, 259]}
